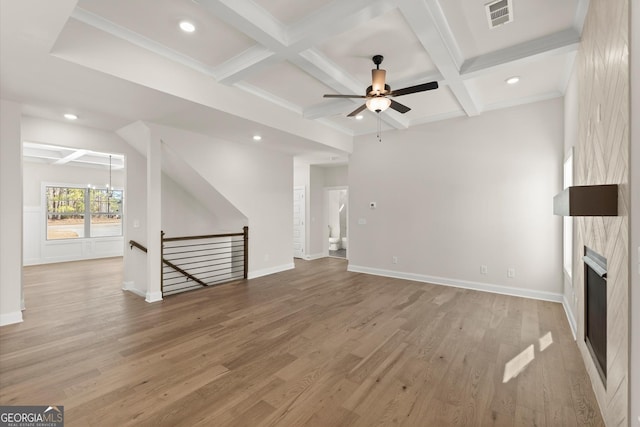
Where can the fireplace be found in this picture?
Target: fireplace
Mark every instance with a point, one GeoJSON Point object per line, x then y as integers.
{"type": "Point", "coordinates": [595, 309]}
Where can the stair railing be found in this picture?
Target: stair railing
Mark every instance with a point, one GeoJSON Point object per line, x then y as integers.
{"type": "Point", "coordinates": [193, 262]}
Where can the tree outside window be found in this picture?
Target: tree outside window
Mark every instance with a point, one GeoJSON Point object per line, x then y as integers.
{"type": "Point", "coordinates": [74, 213]}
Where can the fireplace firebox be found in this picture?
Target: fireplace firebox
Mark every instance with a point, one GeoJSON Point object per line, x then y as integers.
{"type": "Point", "coordinates": [595, 309]}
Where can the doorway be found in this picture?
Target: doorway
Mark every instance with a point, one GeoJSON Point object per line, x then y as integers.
{"type": "Point", "coordinates": [336, 208]}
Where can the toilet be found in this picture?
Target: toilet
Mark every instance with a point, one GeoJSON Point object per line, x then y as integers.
{"type": "Point", "coordinates": [334, 242]}
{"type": "Point", "coordinates": [344, 243]}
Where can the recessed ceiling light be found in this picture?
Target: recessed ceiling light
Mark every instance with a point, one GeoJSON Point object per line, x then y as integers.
{"type": "Point", "coordinates": [70, 116]}
{"type": "Point", "coordinates": [257, 137]}
{"type": "Point", "coordinates": [513, 80]}
{"type": "Point", "coordinates": [187, 26]}
{"type": "Point", "coordinates": [359, 117]}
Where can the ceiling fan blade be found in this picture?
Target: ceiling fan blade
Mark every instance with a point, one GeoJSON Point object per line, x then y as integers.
{"type": "Point", "coordinates": [358, 110]}
{"type": "Point", "coordinates": [330, 95]}
{"type": "Point", "coordinates": [414, 89]}
{"type": "Point", "coordinates": [378, 80]}
{"type": "Point", "coordinates": [399, 107]}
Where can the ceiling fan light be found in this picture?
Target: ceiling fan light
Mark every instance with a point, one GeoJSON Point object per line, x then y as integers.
{"type": "Point", "coordinates": [378, 104]}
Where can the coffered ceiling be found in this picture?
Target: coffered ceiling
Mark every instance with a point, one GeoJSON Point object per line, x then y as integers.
{"type": "Point", "coordinates": [267, 63]}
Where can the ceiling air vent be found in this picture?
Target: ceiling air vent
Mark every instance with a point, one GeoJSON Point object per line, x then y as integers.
{"type": "Point", "coordinates": [499, 12]}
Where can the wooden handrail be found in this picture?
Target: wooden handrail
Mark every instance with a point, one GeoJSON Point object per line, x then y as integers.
{"type": "Point", "coordinates": [210, 236]}
{"type": "Point", "coordinates": [133, 243]}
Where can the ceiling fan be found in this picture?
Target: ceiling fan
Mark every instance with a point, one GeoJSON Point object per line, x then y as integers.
{"type": "Point", "coordinates": [379, 93]}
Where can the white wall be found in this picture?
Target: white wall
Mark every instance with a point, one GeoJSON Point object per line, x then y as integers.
{"type": "Point", "coordinates": [37, 250]}
{"type": "Point", "coordinates": [336, 176]}
{"type": "Point", "coordinates": [257, 181]}
{"type": "Point", "coordinates": [454, 195]}
{"type": "Point", "coordinates": [571, 127]}
{"type": "Point", "coordinates": [11, 301]}
{"type": "Point", "coordinates": [634, 246]}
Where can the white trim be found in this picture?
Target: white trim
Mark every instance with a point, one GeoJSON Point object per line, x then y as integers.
{"type": "Point", "coordinates": [484, 287]}
{"type": "Point", "coordinates": [570, 318]}
{"type": "Point", "coordinates": [10, 318]}
{"type": "Point", "coordinates": [131, 287]}
{"type": "Point", "coordinates": [271, 270]}
{"type": "Point", "coordinates": [153, 296]}
{"type": "Point", "coordinates": [315, 256]}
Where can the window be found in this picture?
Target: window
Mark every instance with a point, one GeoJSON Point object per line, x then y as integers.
{"type": "Point", "coordinates": [75, 213]}
{"type": "Point", "coordinates": [567, 225]}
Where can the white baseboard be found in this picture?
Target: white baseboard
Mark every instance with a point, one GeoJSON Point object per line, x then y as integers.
{"type": "Point", "coordinates": [477, 286]}
{"type": "Point", "coordinates": [271, 270]}
{"type": "Point", "coordinates": [10, 318]}
{"type": "Point", "coordinates": [131, 287]}
{"type": "Point", "coordinates": [570, 317]}
{"type": "Point", "coordinates": [314, 256]}
{"type": "Point", "coordinates": [153, 296]}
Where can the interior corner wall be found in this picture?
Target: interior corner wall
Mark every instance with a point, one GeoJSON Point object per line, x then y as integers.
{"type": "Point", "coordinates": [256, 180]}
{"type": "Point", "coordinates": [461, 193]}
{"type": "Point", "coordinates": [11, 300]}
{"type": "Point", "coordinates": [602, 157]}
{"type": "Point", "coordinates": [634, 241]}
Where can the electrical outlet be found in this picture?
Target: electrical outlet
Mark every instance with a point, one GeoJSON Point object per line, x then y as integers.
{"type": "Point", "coordinates": [394, 259]}
{"type": "Point", "coordinates": [484, 269]}
{"type": "Point", "coordinates": [511, 272]}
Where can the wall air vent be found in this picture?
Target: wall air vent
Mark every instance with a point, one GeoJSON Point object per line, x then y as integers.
{"type": "Point", "coordinates": [499, 12]}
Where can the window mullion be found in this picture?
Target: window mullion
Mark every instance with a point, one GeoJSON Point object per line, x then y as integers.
{"type": "Point", "coordinates": [87, 212]}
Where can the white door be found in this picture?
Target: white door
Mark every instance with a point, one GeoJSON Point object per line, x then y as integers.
{"type": "Point", "coordinates": [298, 222]}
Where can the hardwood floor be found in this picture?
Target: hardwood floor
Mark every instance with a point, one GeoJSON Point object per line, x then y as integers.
{"type": "Point", "coordinates": [314, 346]}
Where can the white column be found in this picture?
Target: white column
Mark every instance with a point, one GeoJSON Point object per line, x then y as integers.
{"type": "Point", "coordinates": [154, 218]}
{"type": "Point", "coordinates": [11, 301]}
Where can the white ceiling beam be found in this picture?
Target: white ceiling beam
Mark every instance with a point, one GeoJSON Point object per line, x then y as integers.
{"type": "Point", "coordinates": [268, 96]}
{"type": "Point", "coordinates": [333, 19]}
{"type": "Point", "coordinates": [562, 42]}
{"type": "Point", "coordinates": [250, 19]}
{"type": "Point", "coordinates": [317, 64]}
{"type": "Point", "coordinates": [290, 41]}
{"type": "Point", "coordinates": [420, 17]}
{"type": "Point", "coordinates": [70, 157]}
{"type": "Point", "coordinates": [250, 61]}
{"type": "Point", "coordinates": [446, 32]}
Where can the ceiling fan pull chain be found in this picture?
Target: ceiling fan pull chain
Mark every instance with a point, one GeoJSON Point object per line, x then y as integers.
{"type": "Point", "coordinates": [379, 128]}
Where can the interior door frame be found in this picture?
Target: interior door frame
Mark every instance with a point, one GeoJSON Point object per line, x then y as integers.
{"type": "Point", "coordinates": [304, 222]}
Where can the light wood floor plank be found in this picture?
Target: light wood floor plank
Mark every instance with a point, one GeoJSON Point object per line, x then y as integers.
{"type": "Point", "coordinates": [314, 346]}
